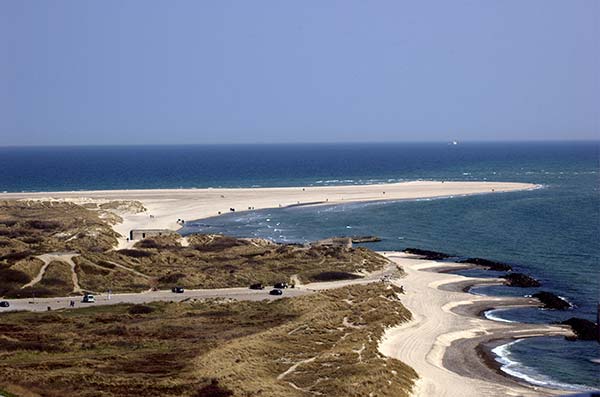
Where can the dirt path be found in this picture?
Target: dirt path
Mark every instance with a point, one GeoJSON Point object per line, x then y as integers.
{"type": "Point", "coordinates": [66, 257]}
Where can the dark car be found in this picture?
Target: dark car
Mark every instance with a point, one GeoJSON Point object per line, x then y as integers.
{"type": "Point", "coordinates": [257, 286]}
{"type": "Point", "coordinates": [276, 292]}
{"type": "Point", "coordinates": [177, 290]}
{"type": "Point", "coordinates": [4, 304]}
{"type": "Point", "coordinates": [280, 285]}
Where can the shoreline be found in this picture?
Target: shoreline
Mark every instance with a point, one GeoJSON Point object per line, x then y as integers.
{"type": "Point", "coordinates": [165, 206]}
{"type": "Point", "coordinates": [448, 341]}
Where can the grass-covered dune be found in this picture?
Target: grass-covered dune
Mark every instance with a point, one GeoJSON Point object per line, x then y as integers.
{"type": "Point", "coordinates": [29, 229]}
{"type": "Point", "coordinates": [323, 344]}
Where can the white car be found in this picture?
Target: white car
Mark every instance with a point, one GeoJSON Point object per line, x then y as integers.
{"type": "Point", "coordinates": [87, 298]}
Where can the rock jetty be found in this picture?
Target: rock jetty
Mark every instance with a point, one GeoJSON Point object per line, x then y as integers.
{"type": "Point", "coordinates": [520, 280]}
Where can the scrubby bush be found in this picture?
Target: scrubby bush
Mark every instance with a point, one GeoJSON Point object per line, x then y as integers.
{"type": "Point", "coordinates": [16, 256]}
{"type": "Point", "coordinates": [171, 278]}
{"type": "Point", "coordinates": [148, 243]}
{"type": "Point", "coordinates": [13, 276]}
{"type": "Point", "coordinates": [43, 225]}
{"type": "Point", "coordinates": [106, 264]}
{"type": "Point", "coordinates": [135, 253]}
{"type": "Point", "coordinates": [140, 309]}
{"type": "Point", "coordinates": [333, 276]}
{"type": "Point", "coordinates": [213, 389]}
{"type": "Point", "coordinates": [15, 345]}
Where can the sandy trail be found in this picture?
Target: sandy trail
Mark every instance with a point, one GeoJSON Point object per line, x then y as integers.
{"type": "Point", "coordinates": [166, 206]}
{"type": "Point", "coordinates": [66, 257]}
{"type": "Point", "coordinates": [427, 342]}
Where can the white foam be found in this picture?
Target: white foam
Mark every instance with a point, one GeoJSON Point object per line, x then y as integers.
{"type": "Point", "coordinates": [518, 370]}
{"type": "Point", "coordinates": [490, 315]}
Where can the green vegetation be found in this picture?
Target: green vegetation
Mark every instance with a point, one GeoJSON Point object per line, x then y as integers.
{"type": "Point", "coordinates": [323, 344]}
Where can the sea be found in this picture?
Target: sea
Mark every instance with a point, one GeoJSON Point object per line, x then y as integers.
{"type": "Point", "coordinates": [551, 233]}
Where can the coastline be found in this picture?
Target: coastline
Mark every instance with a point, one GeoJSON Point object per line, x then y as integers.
{"type": "Point", "coordinates": [166, 206]}
{"type": "Point", "coordinates": [449, 343]}
{"type": "Point", "coordinates": [462, 345]}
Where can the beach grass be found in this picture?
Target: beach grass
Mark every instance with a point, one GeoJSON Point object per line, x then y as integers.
{"type": "Point", "coordinates": [324, 343]}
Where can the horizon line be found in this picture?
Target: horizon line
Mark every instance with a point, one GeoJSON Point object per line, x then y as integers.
{"type": "Point", "coordinates": [302, 143]}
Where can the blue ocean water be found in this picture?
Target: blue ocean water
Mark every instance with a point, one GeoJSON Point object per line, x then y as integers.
{"type": "Point", "coordinates": [552, 233]}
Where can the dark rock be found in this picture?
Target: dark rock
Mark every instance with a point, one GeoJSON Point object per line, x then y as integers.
{"type": "Point", "coordinates": [584, 329]}
{"type": "Point", "coordinates": [552, 301]}
{"type": "Point", "coordinates": [365, 239]}
{"type": "Point", "coordinates": [432, 255]}
{"type": "Point", "coordinates": [520, 280]}
{"type": "Point", "coordinates": [492, 265]}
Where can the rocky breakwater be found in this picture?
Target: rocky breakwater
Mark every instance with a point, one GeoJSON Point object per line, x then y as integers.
{"type": "Point", "coordinates": [426, 254]}
{"type": "Point", "coordinates": [552, 301]}
{"type": "Point", "coordinates": [487, 263]}
{"type": "Point", "coordinates": [520, 280]}
{"type": "Point", "coordinates": [583, 329]}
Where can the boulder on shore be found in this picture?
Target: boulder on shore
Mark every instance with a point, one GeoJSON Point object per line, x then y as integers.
{"type": "Point", "coordinates": [552, 301]}
{"type": "Point", "coordinates": [492, 265]}
{"type": "Point", "coordinates": [520, 280]}
{"type": "Point", "coordinates": [584, 329]}
{"type": "Point", "coordinates": [432, 255]}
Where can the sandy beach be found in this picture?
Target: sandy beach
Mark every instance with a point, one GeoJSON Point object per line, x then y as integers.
{"type": "Point", "coordinates": [445, 340]}
{"type": "Point", "coordinates": [166, 206]}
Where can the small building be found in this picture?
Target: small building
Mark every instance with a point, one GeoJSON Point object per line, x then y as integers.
{"type": "Point", "coordinates": [139, 234]}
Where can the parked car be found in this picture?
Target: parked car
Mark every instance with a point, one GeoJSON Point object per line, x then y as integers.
{"type": "Point", "coordinates": [88, 298]}
{"type": "Point", "coordinates": [177, 290]}
{"type": "Point", "coordinates": [257, 286]}
{"type": "Point", "coordinates": [280, 285]}
{"type": "Point", "coordinates": [276, 292]}
{"type": "Point", "coordinates": [4, 304]}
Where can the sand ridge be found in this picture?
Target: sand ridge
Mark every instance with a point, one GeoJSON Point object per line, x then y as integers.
{"type": "Point", "coordinates": [166, 206]}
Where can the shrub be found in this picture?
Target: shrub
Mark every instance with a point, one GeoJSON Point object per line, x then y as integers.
{"type": "Point", "coordinates": [32, 239]}
{"type": "Point", "coordinates": [135, 253]}
{"type": "Point", "coordinates": [140, 309]}
{"type": "Point", "coordinates": [148, 243]}
{"type": "Point", "coordinates": [10, 345]}
{"type": "Point", "coordinates": [106, 264]}
{"type": "Point", "coordinates": [43, 225]}
{"type": "Point", "coordinates": [333, 276]}
{"type": "Point", "coordinates": [171, 278]}
{"type": "Point", "coordinates": [13, 276]}
{"type": "Point", "coordinates": [28, 292]}
{"type": "Point", "coordinates": [213, 389]}
{"type": "Point", "coordinates": [16, 256]}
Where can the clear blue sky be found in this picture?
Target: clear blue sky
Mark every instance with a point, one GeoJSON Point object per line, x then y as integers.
{"type": "Point", "coordinates": [154, 72]}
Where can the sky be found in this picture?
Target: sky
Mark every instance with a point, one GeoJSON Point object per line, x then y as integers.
{"type": "Point", "coordinates": [191, 72]}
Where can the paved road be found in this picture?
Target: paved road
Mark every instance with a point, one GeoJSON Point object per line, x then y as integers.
{"type": "Point", "coordinates": [42, 304]}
